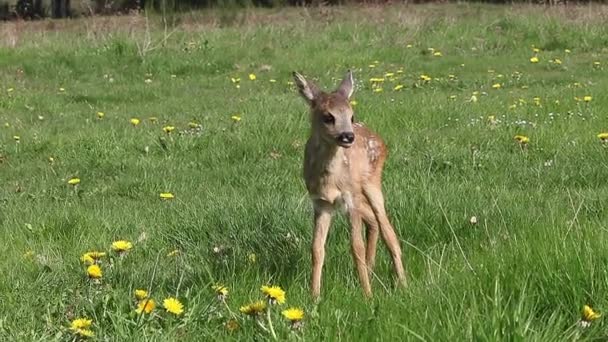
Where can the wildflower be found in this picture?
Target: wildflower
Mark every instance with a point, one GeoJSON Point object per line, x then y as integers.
{"type": "Point", "coordinates": [153, 119]}
{"type": "Point", "coordinates": [596, 64]}
{"type": "Point", "coordinates": [16, 138]}
{"type": "Point", "coordinates": [221, 291]}
{"type": "Point", "coordinates": [235, 118]}
{"type": "Point", "coordinates": [193, 125]}
{"type": "Point", "coordinates": [473, 98]}
{"type": "Point", "coordinates": [293, 314]}
{"type": "Point", "coordinates": [145, 306]}
{"type": "Point", "coordinates": [437, 54]}
{"type": "Point", "coordinates": [173, 305]}
{"type": "Point", "coordinates": [253, 309]}
{"type": "Point", "coordinates": [235, 79]}
{"type": "Point", "coordinates": [134, 121]}
{"type": "Point", "coordinates": [10, 90]}
{"type": "Point", "coordinates": [473, 220]}
{"type": "Point", "coordinates": [100, 115]}
{"type": "Point", "coordinates": [567, 51]}
{"type": "Point", "coordinates": [534, 59]}
{"type": "Point", "coordinates": [61, 89]}
{"type": "Point", "coordinates": [272, 80]}
{"type": "Point", "coordinates": [168, 129]}
{"type": "Point", "coordinates": [557, 61]}
{"type": "Point", "coordinates": [398, 87]}
{"type": "Point", "coordinates": [173, 253]}
{"type": "Point", "coordinates": [80, 327]}
{"type": "Point", "coordinates": [425, 78]}
{"type": "Point", "coordinates": [74, 181]}
{"type": "Point", "coordinates": [408, 46]}
{"type": "Point", "coordinates": [587, 98]}
{"type": "Point", "coordinates": [389, 74]}
{"type": "Point", "coordinates": [274, 294]}
{"type": "Point", "coordinates": [376, 80]}
{"type": "Point", "coordinates": [353, 103]}
{"type": "Point", "coordinates": [166, 195]}
{"type": "Point", "coordinates": [590, 315]}
{"type": "Point", "coordinates": [377, 90]}
{"type": "Point", "coordinates": [122, 246]}
{"type": "Point", "coordinates": [252, 77]}
{"type": "Point", "coordinates": [94, 272]}
{"type": "Point", "coordinates": [536, 50]}
{"type": "Point", "coordinates": [603, 137]}
{"type": "Point", "coordinates": [452, 97]}
{"type": "Point", "coordinates": [91, 258]}
{"type": "Point", "coordinates": [141, 294]}
{"type": "Point", "coordinates": [148, 80]}
{"type": "Point", "coordinates": [522, 139]}
{"type": "Point", "coordinates": [496, 86]}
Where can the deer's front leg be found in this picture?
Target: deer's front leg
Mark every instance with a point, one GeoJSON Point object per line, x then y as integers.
{"type": "Point", "coordinates": [323, 212]}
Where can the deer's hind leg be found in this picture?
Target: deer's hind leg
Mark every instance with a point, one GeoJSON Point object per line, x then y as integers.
{"type": "Point", "coordinates": [373, 230]}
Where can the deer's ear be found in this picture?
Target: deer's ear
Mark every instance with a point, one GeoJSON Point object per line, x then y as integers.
{"type": "Point", "coordinates": [347, 87]}
{"type": "Point", "coordinates": [308, 90]}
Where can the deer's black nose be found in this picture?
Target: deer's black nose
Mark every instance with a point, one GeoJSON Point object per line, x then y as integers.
{"type": "Point", "coordinates": [346, 137]}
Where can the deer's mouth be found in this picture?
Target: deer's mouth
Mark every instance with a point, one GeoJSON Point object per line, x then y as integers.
{"type": "Point", "coordinates": [344, 144]}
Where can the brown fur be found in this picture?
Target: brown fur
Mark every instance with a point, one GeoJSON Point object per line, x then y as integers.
{"type": "Point", "coordinates": [338, 172]}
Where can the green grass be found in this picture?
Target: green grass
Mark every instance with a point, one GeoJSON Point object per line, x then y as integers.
{"type": "Point", "coordinates": [524, 272]}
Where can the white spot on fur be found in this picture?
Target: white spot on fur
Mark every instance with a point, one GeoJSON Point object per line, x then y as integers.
{"type": "Point", "coordinates": [372, 149]}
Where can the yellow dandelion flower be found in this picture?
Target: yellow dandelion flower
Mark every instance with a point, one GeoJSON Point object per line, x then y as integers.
{"type": "Point", "coordinates": [173, 305]}
{"type": "Point", "coordinates": [398, 87]}
{"type": "Point", "coordinates": [536, 50]}
{"type": "Point", "coordinates": [272, 80]}
{"type": "Point", "coordinates": [134, 121]}
{"type": "Point", "coordinates": [173, 253]}
{"type": "Point", "coordinates": [169, 129]}
{"type": "Point", "coordinates": [597, 64]}
{"type": "Point", "coordinates": [389, 74]}
{"type": "Point", "coordinates": [437, 54]}
{"type": "Point", "coordinates": [587, 98]}
{"type": "Point", "coordinates": [567, 51]}
{"type": "Point", "coordinates": [274, 294]}
{"type": "Point", "coordinates": [557, 61]}
{"type": "Point", "coordinates": [590, 315]}
{"type": "Point", "coordinates": [496, 86]}
{"type": "Point", "coordinates": [100, 115]}
{"type": "Point", "coordinates": [16, 138]}
{"type": "Point", "coordinates": [90, 258]}
{"type": "Point", "coordinates": [74, 181]}
{"type": "Point", "coordinates": [153, 119]}
{"type": "Point", "coordinates": [603, 136]}
{"type": "Point", "coordinates": [121, 246]}
{"type": "Point", "coordinates": [145, 306]}
{"type": "Point", "coordinates": [84, 332]}
{"type": "Point", "coordinates": [235, 118]}
{"type": "Point", "coordinates": [254, 308]}
{"type": "Point", "coordinates": [452, 97]}
{"type": "Point", "coordinates": [252, 77]}
{"type": "Point", "coordinates": [141, 294]}
{"type": "Point", "coordinates": [80, 327]}
{"type": "Point", "coordinates": [193, 124]}
{"type": "Point", "coordinates": [534, 59]}
{"type": "Point", "coordinates": [62, 89]}
{"type": "Point", "coordinates": [166, 195]}
{"type": "Point", "coordinates": [10, 90]}
{"type": "Point", "coordinates": [353, 103]}
{"type": "Point", "coordinates": [378, 90]}
{"type": "Point", "coordinates": [293, 314]}
{"type": "Point", "coordinates": [425, 78]}
{"type": "Point", "coordinates": [409, 46]}
{"type": "Point", "coordinates": [94, 272]}
{"type": "Point", "coordinates": [522, 139]}
{"type": "Point", "coordinates": [221, 291]}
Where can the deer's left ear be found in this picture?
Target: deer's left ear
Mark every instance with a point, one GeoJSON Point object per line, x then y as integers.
{"type": "Point", "coordinates": [347, 87]}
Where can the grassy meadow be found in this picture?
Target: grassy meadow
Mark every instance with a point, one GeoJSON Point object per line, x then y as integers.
{"type": "Point", "coordinates": [448, 87]}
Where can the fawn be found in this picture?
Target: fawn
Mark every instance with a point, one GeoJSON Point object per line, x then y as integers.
{"type": "Point", "coordinates": [343, 167]}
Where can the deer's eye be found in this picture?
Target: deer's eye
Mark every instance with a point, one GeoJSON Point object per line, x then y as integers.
{"type": "Point", "coordinates": [329, 119]}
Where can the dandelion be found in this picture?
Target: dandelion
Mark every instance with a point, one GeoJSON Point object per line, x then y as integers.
{"type": "Point", "coordinates": [398, 87]}
{"type": "Point", "coordinates": [94, 272]}
{"type": "Point", "coordinates": [272, 80]}
{"type": "Point", "coordinates": [134, 121]}
{"type": "Point", "coordinates": [603, 137]}
{"type": "Point", "coordinates": [536, 50]}
{"type": "Point", "coordinates": [425, 78]}
{"type": "Point", "coordinates": [16, 138]}
{"type": "Point", "coordinates": [589, 315]}
{"type": "Point", "coordinates": [596, 64]}
{"type": "Point", "coordinates": [74, 181]}
{"type": "Point", "coordinates": [10, 90]}
{"type": "Point", "coordinates": [122, 246]}
{"type": "Point", "coordinates": [496, 86]}
{"type": "Point", "coordinates": [522, 139]}
{"type": "Point", "coordinates": [409, 46]}
{"type": "Point", "coordinates": [353, 103]}
{"type": "Point", "coordinates": [148, 80]}
{"type": "Point", "coordinates": [587, 98]}
{"type": "Point", "coordinates": [153, 119]}
{"type": "Point", "coordinates": [193, 124]}
{"type": "Point", "coordinates": [452, 97]}
{"type": "Point", "coordinates": [145, 306]}
{"type": "Point", "coordinates": [168, 129]}
{"type": "Point", "coordinates": [100, 115]}
{"type": "Point", "coordinates": [80, 327]}
{"type": "Point", "coordinates": [567, 51]}
{"type": "Point", "coordinates": [90, 258]}
{"type": "Point", "coordinates": [173, 253]}
{"type": "Point", "coordinates": [235, 118]}
{"type": "Point", "coordinates": [173, 305]}
{"type": "Point", "coordinates": [437, 54]}
{"type": "Point", "coordinates": [376, 80]}
{"type": "Point", "coordinates": [252, 77]}
{"type": "Point", "coordinates": [166, 196]}
{"type": "Point", "coordinates": [473, 220]}
{"type": "Point", "coordinates": [253, 309]}
{"type": "Point", "coordinates": [274, 294]}
{"type": "Point", "coordinates": [141, 294]}
{"type": "Point", "coordinates": [534, 59]}
{"type": "Point", "coordinates": [62, 89]}
{"type": "Point", "coordinates": [221, 291]}
{"type": "Point", "coordinates": [389, 74]}
{"type": "Point", "coordinates": [557, 61]}
{"type": "Point", "coordinates": [295, 316]}
{"type": "Point", "coordinates": [378, 90]}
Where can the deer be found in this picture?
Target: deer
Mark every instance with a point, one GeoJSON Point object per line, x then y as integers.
{"type": "Point", "coordinates": [343, 162]}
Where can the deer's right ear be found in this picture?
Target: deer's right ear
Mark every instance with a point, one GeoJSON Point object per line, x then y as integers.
{"type": "Point", "coordinates": [308, 90]}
